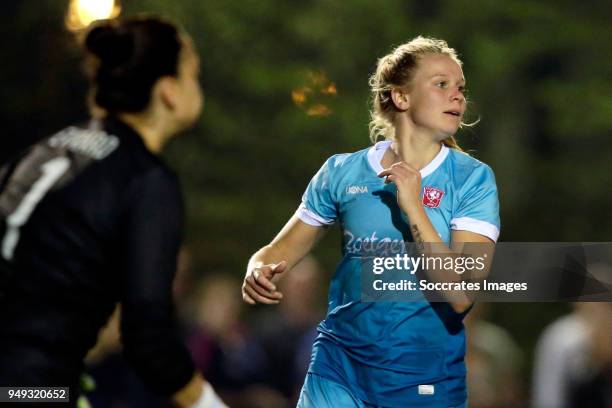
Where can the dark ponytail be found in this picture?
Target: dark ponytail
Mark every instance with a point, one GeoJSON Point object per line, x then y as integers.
{"type": "Point", "coordinates": [127, 57]}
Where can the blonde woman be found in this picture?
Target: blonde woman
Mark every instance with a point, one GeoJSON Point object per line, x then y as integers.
{"type": "Point", "coordinates": [417, 185]}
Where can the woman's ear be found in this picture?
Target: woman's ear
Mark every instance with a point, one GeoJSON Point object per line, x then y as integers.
{"type": "Point", "coordinates": [400, 98]}
{"type": "Point", "coordinates": [166, 89]}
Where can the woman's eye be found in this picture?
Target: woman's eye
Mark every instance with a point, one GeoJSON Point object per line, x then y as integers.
{"type": "Point", "coordinates": [441, 84]}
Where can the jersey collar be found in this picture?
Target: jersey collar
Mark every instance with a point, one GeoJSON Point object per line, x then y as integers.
{"type": "Point", "coordinates": [376, 152]}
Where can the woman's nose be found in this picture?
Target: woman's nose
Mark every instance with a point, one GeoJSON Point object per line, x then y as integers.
{"type": "Point", "coordinates": [457, 95]}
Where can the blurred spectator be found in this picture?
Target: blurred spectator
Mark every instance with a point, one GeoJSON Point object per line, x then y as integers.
{"type": "Point", "coordinates": [287, 333]}
{"type": "Point", "coordinates": [573, 361]}
{"type": "Point", "coordinates": [224, 349]}
{"type": "Point", "coordinates": [493, 363]}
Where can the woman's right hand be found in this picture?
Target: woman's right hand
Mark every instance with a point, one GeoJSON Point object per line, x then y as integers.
{"type": "Point", "coordinates": [258, 287]}
{"type": "Point", "coordinates": [291, 244]}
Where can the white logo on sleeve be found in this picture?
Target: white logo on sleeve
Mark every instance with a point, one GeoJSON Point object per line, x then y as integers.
{"type": "Point", "coordinates": [356, 189]}
{"type": "Point", "coordinates": [339, 162]}
{"type": "Point", "coordinates": [426, 390]}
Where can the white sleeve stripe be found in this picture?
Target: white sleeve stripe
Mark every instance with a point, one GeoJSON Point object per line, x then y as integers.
{"type": "Point", "coordinates": [473, 225]}
{"type": "Point", "coordinates": [311, 218]}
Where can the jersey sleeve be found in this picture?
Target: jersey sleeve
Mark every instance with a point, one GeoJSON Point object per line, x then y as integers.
{"type": "Point", "coordinates": [478, 206]}
{"type": "Point", "coordinates": [318, 207]}
{"type": "Point", "coordinates": [150, 334]}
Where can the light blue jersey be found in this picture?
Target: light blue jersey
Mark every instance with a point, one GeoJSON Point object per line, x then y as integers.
{"type": "Point", "coordinates": [394, 354]}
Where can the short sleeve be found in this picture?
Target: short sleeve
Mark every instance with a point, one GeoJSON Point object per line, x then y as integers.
{"type": "Point", "coordinates": [318, 207]}
{"type": "Point", "coordinates": [478, 205]}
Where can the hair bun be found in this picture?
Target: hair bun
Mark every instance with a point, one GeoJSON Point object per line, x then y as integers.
{"type": "Point", "coordinates": [126, 56]}
{"type": "Point", "coordinates": [110, 43]}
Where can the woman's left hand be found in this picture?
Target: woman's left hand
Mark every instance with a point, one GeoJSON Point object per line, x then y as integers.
{"type": "Point", "coordinates": [408, 182]}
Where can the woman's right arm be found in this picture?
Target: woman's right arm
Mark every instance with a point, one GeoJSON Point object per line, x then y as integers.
{"type": "Point", "coordinates": [291, 244]}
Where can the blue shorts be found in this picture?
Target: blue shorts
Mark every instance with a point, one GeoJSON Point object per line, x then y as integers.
{"type": "Point", "coordinates": [319, 392]}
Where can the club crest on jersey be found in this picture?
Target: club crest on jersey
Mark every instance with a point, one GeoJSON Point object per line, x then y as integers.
{"type": "Point", "coordinates": [432, 197]}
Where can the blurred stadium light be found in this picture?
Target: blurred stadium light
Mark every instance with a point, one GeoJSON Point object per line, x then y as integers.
{"type": "Point", "coordinates": [81, 13]}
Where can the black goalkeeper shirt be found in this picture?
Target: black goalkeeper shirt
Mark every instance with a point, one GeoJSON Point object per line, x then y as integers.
{"type": "Point", "coordinates": [89, 217]}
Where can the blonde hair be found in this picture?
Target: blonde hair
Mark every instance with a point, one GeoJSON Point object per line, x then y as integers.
{"type": "Point", "coordinates": [396, 70]}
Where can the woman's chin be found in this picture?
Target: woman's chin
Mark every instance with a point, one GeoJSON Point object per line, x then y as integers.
{"type": "Point", "coordinates": [445, 134]}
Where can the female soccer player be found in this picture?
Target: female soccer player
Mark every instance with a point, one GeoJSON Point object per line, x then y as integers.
{"type": "Point", "coordinates": [91, 217]}
{"type": "Point", "coordinates": [391, 354]}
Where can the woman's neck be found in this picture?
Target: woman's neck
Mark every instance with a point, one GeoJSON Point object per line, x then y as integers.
{"type": "Point", "coordinates": [413, 147]}
{"type": "Point", "coordinates": [148, 128]}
